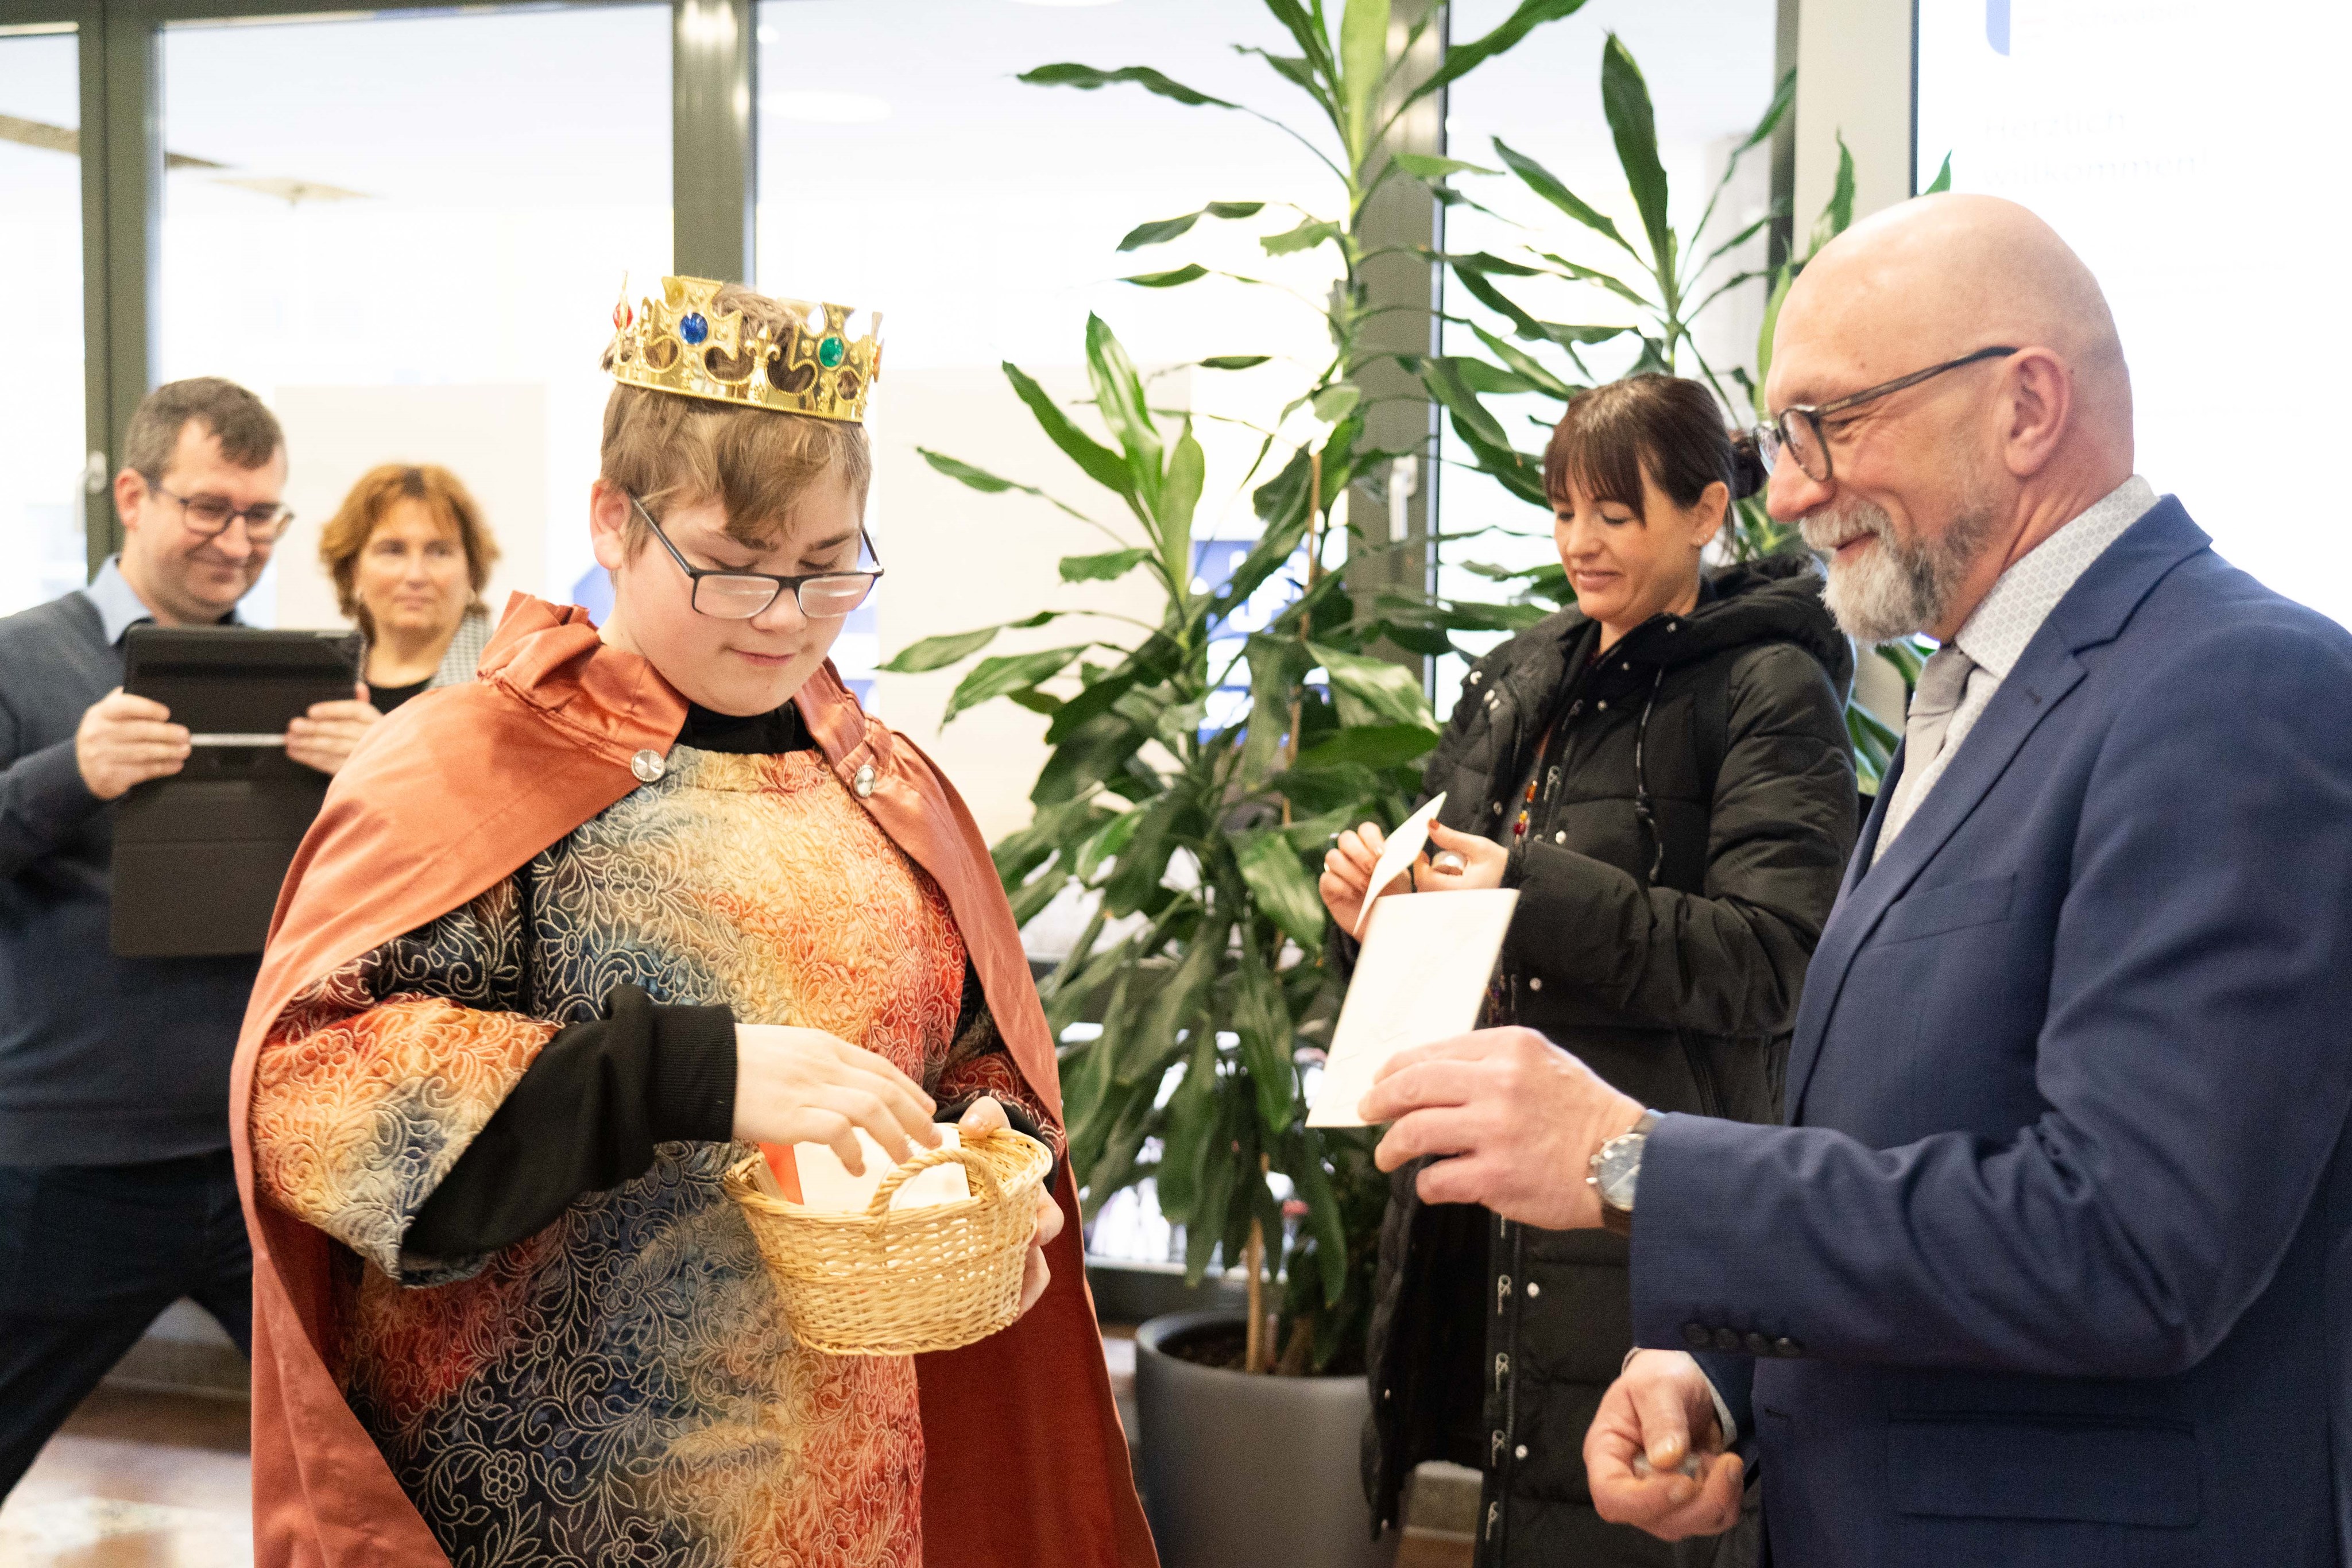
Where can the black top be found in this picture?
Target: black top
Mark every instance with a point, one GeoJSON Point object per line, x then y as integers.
{"type": "Point", "coordinates": [584, 1118]}
{"type": "Point", "coordinates": [104, 1060]}
{"type": "Point", "coordinates": [387, 698]}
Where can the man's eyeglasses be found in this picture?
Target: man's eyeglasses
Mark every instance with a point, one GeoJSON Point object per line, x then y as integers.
{"type": "Point", "coordinates": [1798, 430]}
{"type": "Point", "coordinates": [208, 516]}
{"type": "Point", "coordinates": [740, 595]}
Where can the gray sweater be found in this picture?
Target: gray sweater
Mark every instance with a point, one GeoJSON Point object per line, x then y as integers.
{"type": "Point", "coordinates": [103, 1061]}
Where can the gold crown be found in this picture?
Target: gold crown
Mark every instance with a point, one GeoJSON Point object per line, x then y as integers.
{"type": "Point", "coordinates": [677, 343]}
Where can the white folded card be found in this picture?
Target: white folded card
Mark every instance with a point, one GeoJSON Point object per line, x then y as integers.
{"type": "Point", "coordinates": [1398, 853]}
{"type": "Point", "coordinates": [1420, 977]}
{"type": "Point", "coordinates": [826, 1183]}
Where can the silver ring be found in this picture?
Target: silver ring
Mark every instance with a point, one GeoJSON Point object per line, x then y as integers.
{"type": "Point", "coordinates": [1449, 860]}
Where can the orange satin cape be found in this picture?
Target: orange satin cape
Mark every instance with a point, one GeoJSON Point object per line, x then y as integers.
{"type": "Point", "coordinates": [1026, 1464]}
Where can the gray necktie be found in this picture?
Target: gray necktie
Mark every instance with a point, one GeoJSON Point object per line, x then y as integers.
{"type": "Point", "coordinates": [1941, 685]}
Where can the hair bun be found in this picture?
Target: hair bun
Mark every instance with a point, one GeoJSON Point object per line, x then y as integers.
{"type": "Point", "coordinates": [1748, 472]}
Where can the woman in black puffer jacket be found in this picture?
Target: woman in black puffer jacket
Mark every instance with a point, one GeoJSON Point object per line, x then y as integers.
{"type": "Point", "coordinates": [1664, 774]}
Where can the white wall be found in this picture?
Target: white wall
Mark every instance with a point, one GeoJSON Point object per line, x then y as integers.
{"type": "Point", "coordinates": [956, 560]}
{"type": "Point", "coordinates": [492, 437]}
{"type": "Point", "coordinates": [1853, 76]}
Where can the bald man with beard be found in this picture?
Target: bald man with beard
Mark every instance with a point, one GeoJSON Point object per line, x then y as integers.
{"type": "Point", "coordinates": [2053, 1263]}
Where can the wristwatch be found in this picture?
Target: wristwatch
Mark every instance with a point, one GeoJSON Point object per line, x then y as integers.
{"type": "Point", "coordinates": [1616, 1167]}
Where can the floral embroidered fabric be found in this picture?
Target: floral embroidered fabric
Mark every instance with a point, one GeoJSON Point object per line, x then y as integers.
{"type": "Point", "coordinates": [621, 1389]}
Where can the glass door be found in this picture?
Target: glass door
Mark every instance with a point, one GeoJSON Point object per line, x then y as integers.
{"type": "Point", "coordinates": [407, 233]}
{"type": "Point", "coordinates": [41, 401]}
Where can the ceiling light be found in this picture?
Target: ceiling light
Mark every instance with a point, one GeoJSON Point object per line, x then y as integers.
{"type": "Point", "coordinates": [825, 107]}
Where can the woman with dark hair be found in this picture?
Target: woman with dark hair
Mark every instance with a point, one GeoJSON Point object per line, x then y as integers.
{"type": "Point", "coordinates": [410, 554]}
{"type": "Point", "coordinates": [1663, 772]}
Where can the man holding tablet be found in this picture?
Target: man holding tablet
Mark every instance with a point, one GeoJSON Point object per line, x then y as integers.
{"type": "Point", "coordinates": [116, 1192]}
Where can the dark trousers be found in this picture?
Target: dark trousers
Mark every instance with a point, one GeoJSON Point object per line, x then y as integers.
{"type": "Point", "coordinates": [88, 1256]}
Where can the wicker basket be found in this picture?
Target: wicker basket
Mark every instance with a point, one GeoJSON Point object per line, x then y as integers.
{"type": "Point", "coordinates": [910, 1282]}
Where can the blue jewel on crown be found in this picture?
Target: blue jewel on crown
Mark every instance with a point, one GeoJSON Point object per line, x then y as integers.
{"type": "Point", "coordinates": [693, 329]}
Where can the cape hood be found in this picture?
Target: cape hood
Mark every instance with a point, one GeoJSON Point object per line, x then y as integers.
{"type": "Point", "coordinates": [1027, 1463]}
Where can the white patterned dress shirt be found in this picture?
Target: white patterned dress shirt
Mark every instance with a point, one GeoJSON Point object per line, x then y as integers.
{"type": "Point", "coordinates": [1996, 632]}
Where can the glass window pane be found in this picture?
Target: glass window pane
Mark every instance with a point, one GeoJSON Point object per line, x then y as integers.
{"type": "Point", "coordinates": [41, 407]}
{"type": "Point", "coordinates": [902, 168]}
{"type": "Point", "coordinates": [1708, 63]}
{"type": "Point", "coordinates": [408, 233]}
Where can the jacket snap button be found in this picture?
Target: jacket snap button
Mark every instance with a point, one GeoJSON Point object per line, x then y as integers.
{"type": "Point", "coordinates": [647, 766]}
{"type": "Point", "coordinates": [1520, 1452]}
{"type": "Point", "coordinates": [1560, 837]}
{"type": "Point", "coordinates": [1534, 1289]}
{"type": "Point", "coordinates": [864, 782]}
{"type": "Point", "coordinates": [1602, 704]}
{"type": "Point", "coordinates": [1534, 982]}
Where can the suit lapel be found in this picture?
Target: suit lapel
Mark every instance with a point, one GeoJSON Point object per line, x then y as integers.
{"type": "Point", "coordinates": [2094, 610]}
{"type": "Point", "coordinates": [2045, 673]}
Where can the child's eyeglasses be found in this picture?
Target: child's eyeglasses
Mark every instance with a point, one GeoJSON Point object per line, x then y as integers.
{"type": "Point", "coordinates": [740, 595]}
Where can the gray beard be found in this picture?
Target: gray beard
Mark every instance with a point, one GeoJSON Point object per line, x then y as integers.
{"type": "Point", "coordinates": [1899, 586]}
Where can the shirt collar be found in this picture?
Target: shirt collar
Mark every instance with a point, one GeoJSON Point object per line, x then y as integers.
{"type": "Point", "coordinates": [120, 608]}
{"type": "Point", "coordinates": [1998, 630]}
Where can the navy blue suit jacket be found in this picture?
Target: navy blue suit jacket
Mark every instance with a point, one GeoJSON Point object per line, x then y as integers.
{"type": "Point", "coordinates": [2054, 1264]}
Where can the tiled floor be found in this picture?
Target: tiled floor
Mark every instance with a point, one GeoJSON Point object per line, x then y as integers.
{"type": "Point", "coordinates": [136, 1480]}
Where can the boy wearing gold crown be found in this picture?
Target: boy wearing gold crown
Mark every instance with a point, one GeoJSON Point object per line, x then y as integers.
{"type": "Point", "coordinates": [562, 945]}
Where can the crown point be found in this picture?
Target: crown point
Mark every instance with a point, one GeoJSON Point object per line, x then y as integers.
{"type": "Point", "coordinates": [622, 317]}
{"type": "Point", "coordinates": [831, 352]}
{"type": "Point", "coordinates": [693, 329]}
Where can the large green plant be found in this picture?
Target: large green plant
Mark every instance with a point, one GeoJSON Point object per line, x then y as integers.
{"type": "Point", "coordinates": [1204, 957]}
{"type": "Point", "coordinates": [1668, 281]}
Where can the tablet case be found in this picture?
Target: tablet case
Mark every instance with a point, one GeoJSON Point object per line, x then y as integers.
{"type": "Point", "coordinates": [199, 856]}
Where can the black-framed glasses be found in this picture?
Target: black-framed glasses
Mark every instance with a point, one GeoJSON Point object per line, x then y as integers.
{"type": "Point", "coordinates": [740, 595]}
{"type": "Point", "coordinates": [1797, 430]}
{"type": "Point", "coordinates": [208, 516]}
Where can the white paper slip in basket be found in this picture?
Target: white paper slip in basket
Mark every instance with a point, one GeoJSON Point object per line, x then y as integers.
{"type": "Point", "coordinates": [1422, 977]}
{"type": "Point", "coordinates": [827, 1184]}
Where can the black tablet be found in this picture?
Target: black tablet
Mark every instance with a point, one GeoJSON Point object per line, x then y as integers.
{"type": "Point", "coordinates": [199, 856]}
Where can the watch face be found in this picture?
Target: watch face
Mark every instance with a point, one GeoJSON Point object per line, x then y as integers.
{"type": "Point", "coordinates": [1620, 1169]}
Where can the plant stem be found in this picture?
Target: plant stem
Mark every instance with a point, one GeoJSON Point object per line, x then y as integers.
{"type": "Point", "coordinates": [1257, 1349]}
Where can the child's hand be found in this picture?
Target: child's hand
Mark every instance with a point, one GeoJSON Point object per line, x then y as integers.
{"type": "Point", "coordinates": [805, 1086]}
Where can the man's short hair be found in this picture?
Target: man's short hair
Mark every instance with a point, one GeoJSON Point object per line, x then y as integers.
{"type": "Point", "coordinates": [248, 433]}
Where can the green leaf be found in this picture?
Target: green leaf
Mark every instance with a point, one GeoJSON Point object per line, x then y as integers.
{"type": "Point", "coordinates": [1364, 65]}
{"type": "Point", "coordinates": [1086, 78]}
{"type": "Point", "coordinates": [1306, 237]}
{"type": "Point", "coordinates": [1373, 691]}
{"type": "Point", "coordinates": [1190, 1133]}
{"type": "Point", "coordinates": [1107, 842]}
{"type": "Point", "coordinates": [938, 653]}
{"type": "Point", "coordinates": [1279, 882]}
{"type": "Point", "coordinates": [1334, 403]}
{"type": "Point", "coordinates": [1626, 99]}
{"type": "Point", "coordinates": [1120, 399]}
{"type": "Point", "coordinates": [1179, 498]}
{"type": "Point", "coordinates": [1102, 568]}
{"type": "Point", "coordinates": [1309, 32]}
{"type": "Point", "coordinates": [1838, 216]}
{"type": "Point", "coordinates": [983, 480]}
{"type": "Point", "coordinates": [1188, 273]}
{"type": "Point", "coordinates": [1421, 165]}
{"type": "Point", "coordinates": [1276, 665]}
{"type": "Point", "coordinates": [1143, 863]}
{"type": "Point", "coordinates": [1461, 58]}
{"type": "Point", "coordinates": [1261, 1019]}
{"type": "Point", "coordinates": [1177, 1006]}
{"type": "Point", "coordinates": [1163, 230]}
{"type": "Point", "coordinates": [1095, 751]}
{"type": "Point", "coordinates": [1325, 1222]}
{"type": "Point", "coordinates": [1233, 361]}
{"type": "Point", "coordinates": [1103, 465]}
{"type": "Point", "coordinates": [1526, 367]}
{"type": "Point", "coordinates": [1943, 180]}
{"type": "Point", "coordinates": [1519, 473]}
{"type": "Point", "coordinates": [1008, 672]}
{"type": "Point", "coordinates": [1547, 186]}
{"type": "Point", "coordinates": [1374, 746]}
{"type": "Point", "coordinates": [1587, 274]}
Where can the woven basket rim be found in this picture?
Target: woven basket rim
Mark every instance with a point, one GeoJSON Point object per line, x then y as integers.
{"type": "Point", "coordinates": [1036, 1161]}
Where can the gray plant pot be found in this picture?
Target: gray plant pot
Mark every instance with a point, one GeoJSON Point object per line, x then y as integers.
{"type": "Point", "coordinates": [1240, 1470]}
